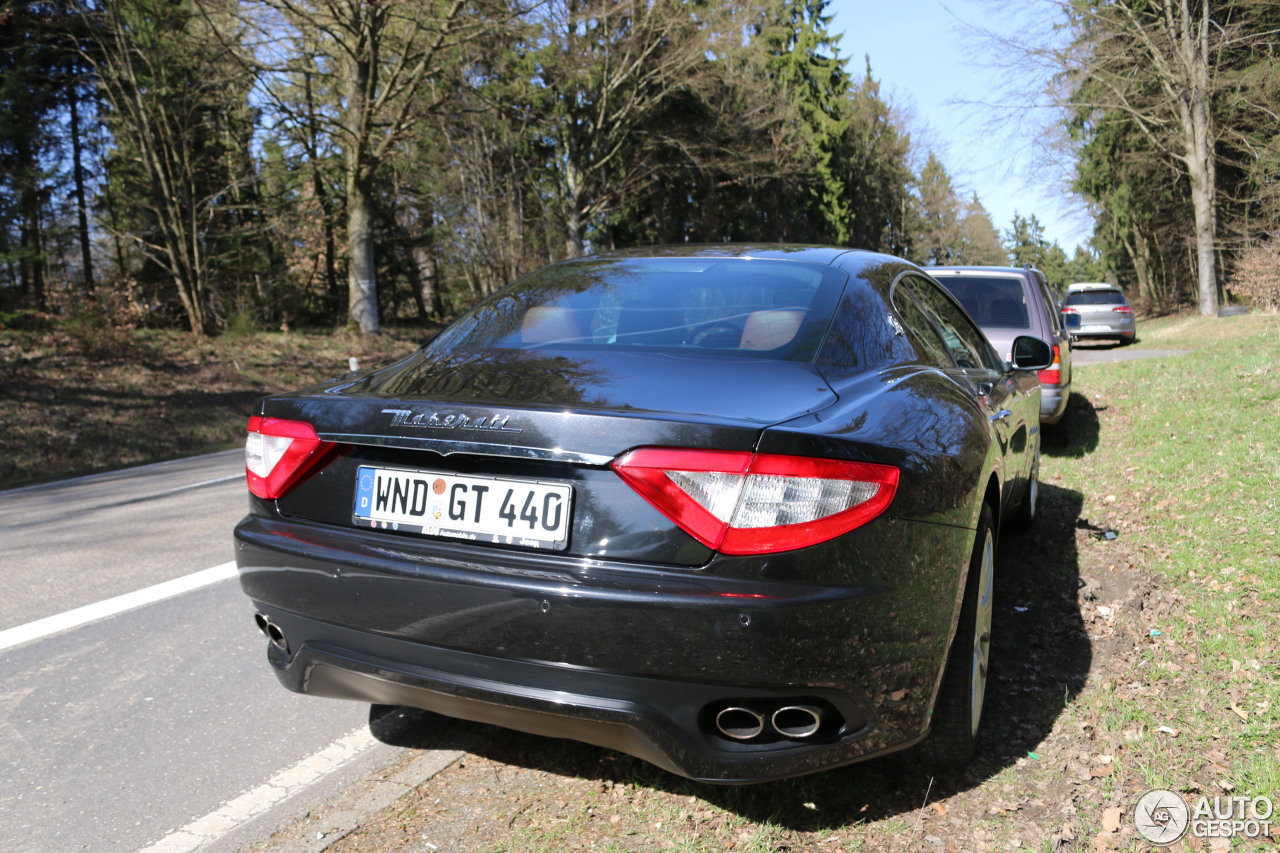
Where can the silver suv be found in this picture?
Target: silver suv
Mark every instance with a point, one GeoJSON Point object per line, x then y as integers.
{"type": "Point", "coordinates": [1011, 301]}
{"type": "Point", "coordinates": [1095, 310]}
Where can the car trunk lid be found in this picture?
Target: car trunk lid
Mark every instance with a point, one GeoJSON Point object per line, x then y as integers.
{"type": "Point", "coordinates": [541, 405]}
{"type": "Point", "coordinates": [538, 424]}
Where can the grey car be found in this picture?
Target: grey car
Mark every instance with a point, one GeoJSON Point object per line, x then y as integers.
{"type": "Point", "coordinates": [1011, 301]}
{"type": "Point", "coordinates": [1101, 311]}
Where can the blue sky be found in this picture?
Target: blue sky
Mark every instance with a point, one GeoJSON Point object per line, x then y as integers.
{"type": "Point", "coordinates": [930, 64]}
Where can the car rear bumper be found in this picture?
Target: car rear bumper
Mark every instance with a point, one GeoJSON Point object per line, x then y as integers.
{"type": "Point", "coordinates": [1118, 333]}
{"type": "Point", "coordinates": [652, 719]}
{"type": "Point", "coordinates": [1124, 329]}
{"type": "Point", "coordinates": [641, 667]}
{"type": "Point", "coordinates": [1053, 403]}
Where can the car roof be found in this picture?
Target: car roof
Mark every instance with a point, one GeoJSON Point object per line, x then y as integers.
{"type": "Point", "coordinates": [777, 251]}
{"type": "Point", "coordinates": [960, 270]}
{"type": "Point", "coordinates": [856, 262]}
{"type": "Point", "coordinates": [1090, 285]}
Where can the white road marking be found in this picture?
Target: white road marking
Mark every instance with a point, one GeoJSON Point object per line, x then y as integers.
{"type": "Point", "coordinates": [118, 474]}
{"type": "Point", "coordinates": [267, 795]}
{"type": "Point", "coordinates": [111, 606]}
{"type": "Point", "coordinates": [201, 483]}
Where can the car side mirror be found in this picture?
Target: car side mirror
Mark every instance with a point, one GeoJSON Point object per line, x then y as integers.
{"type": "Point", "coordinates": [1070, 320]}
{"type": "Point", "coordinates": [1031, 353]}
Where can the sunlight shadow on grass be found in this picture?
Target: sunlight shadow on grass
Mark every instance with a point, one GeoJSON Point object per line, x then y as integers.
{"type": "Point", "coordinates": [1040, 661]}
{"type": "Point", "coordinates": [1076, 435]}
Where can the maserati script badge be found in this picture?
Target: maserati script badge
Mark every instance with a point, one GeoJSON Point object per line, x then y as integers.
{"type": "Point", "coordinates": [438, 420]}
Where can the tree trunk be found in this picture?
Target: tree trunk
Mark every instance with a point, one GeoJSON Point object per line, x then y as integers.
{"type": "Point", "coordinates": [575, 244]}
{"type": "Point", "coordinates": [362, 273]}
{"type": "Point", "coordinates": [31, 263]}
{"type": "Point", "coordinates": [360, 83]}
{"type": "Point", "coordinates": [332, 287]}
{"type": "Point", "coordinates": [1201, 169]}
{"type": "Point", "coordinates": [82, 209]}
{"type": "Point", "coordinates": [1193, 111]}
{"type": "Point", "coordinates": [425, 272]}
{"type": "Point", "coordinates": [185, 271]}
{"type": "Point", "coordinates": [425, 269]}
{"type": "Point", "coordinates": [575, 226]}
{"type": "Point", "coordinates": [1145, 273]}
{"type": "Point", "coordinates": [1136, 246]}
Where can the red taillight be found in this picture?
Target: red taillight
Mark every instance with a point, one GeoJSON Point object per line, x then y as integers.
{"type": "Point", "coordinates": [279, 453]}
{"type": "Point", "coordinates": [1070, 311]}
{"type": "Point", "coordinates": [739, 502]}
{"type": "Point", "coordinates": [1052, 375]}
{"type": "Point", "coordinates": [1122, 309]}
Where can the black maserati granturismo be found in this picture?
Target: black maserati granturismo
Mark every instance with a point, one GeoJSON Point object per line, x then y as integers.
{"type": "Point", "coordinates": [729, 509]}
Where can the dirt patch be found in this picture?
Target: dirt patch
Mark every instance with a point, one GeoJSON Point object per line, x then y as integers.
{"type": "Point", "coordinates": [77, 403]}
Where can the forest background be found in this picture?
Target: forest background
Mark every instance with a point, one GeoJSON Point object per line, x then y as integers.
{"type": "Point", "coordinates": [230, 165]}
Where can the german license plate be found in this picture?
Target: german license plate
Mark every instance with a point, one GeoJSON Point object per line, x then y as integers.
{"type": "Point", "coordinates": [485, 509]}
{"type": "Point", "coordinates": [1095, 327]}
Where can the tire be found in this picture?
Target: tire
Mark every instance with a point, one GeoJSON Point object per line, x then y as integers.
{"type": "Point", "coordinates": [377, 712]}
{"type": "Point", "coordinates": [957, 715]}
{"type": "Point", "coordinates": [1028, 511]}
{"type": "Point", "coordinates": [402, 726]}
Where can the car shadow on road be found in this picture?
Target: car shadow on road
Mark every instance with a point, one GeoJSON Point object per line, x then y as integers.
{"type": "Point", "coordinates": [413, 728]}
{"type": "Point", "coordinates": [1041, 656]}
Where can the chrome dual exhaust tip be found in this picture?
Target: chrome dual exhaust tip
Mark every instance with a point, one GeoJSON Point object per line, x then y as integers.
{"type": "Point", "coordinates": [272, 631]}
{"type": "Point", "coordinates": [740, 723]}
{"type": "Point", "coordinates": [797, 721]}
{"type": "Point", "coordinates": [793, 722]}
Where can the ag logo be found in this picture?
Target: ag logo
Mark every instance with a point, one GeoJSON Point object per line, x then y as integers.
{"type": "Point", "coordinates": [1161, 816]}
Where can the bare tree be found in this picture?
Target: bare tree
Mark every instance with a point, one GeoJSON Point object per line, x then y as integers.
{"type": "Point", "coordinates": [606, 67]}
{"type": "Point", "coordinates": [379, 56]}
{"type": "Point", "coordinates": [1156, 67]}
{"type": "Point", "coordinates": [1153, 64]}
{"type": "Point", "coordinates": [173, 87]}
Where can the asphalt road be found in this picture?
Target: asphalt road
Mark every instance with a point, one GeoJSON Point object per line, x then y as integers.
{"type": "Point", "coordinates": [1084, 354]}
{"type": "Point", "coordinates": [118, 732]}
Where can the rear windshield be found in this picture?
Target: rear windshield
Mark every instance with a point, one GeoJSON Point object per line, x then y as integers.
{"type": "Point", "coordinates": [996, 302]}
{"type": "Point", "coordinates": [1095, 297]}
{"type": "Point", "coordinates": [732, 306]}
